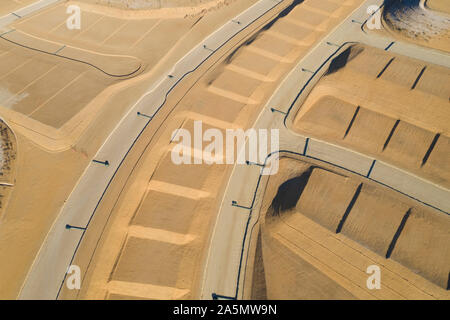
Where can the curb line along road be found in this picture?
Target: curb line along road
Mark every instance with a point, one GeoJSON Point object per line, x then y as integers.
{"type": "Point", "coordinates": [222, 271]}
{"type": "Point", "coordinates": [46, 276]}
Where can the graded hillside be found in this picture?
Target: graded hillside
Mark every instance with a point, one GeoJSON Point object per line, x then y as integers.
{"type": "Point", "coordinates": [62, 92]}
{"type": "Point", "coordinates": [157, 4]}
{"type": "Point", "coordinates": [421, 21]}
{"type": "Point", "coordinates": [321, 228]}
{"type": "Point", "coordinates": [45, 63]}
{"type": "Point", "coordinates": [135, 9]}
{"type": "Point", "coordinates": [391, 107]}
{"type": "Point", "coordinates": [164, 215]}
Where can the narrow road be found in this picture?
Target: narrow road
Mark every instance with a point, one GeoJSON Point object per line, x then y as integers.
{"type": "Point", "coordinates": [49, 268]}
{"type": "Point", "coordinates": [223, 270]}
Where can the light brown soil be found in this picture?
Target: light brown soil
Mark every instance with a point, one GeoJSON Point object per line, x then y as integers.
{"type": "Point", "coordinates": [391, 110]}
{"type": "Point", "coordinates": [227, 96]}
{"type": "Point", "coordinates": [49, 160]}
{"type": "Point", "coordinates": [304, 257]}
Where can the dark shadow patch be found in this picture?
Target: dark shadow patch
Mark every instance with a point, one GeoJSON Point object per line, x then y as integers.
{"type": "Point", "coordinates": [352, 121]}
{"type": "Point", "coordinates": [430, 149]}
{"type": "Point", "coordinates": [259, 290]}
{"type": "Point", "coordinates": [196, 21]}
{"type": "Point", "coordinates": [349, 208]}
{"type": "Point", "coordinates": [289, 192]}
{"type": "Point", "coordinates": [448, 282]}
{"type": "Point", "coordinates": [248, 42]}
{"type": "Point", "coordinates": [400, 6]}
{"type": "Point", "coordinates": [342, 59]}
{"type": "Point", "coordinates": [397, 234]}
{"type": "Point", "coordinates": [391, 134]}
{"type": "Point", "coordinates": [418, 78]}
{"type": "Point", "coordinates": [385, 67]}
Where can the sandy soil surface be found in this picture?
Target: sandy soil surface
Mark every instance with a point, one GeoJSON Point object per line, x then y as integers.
{"type": "Point", "coordinates": [7, 6]}
{"type": "Point", "coordinates": [152, 9]}
{"type": "Point", "coordinates": [119, 48]}
{"type": "Point", "coordinates": [385, 105]}
{"type": "Point", "coordinates": [312, 248]}
{"type": "Point", "coordinates": [439, 5]}
{"type": "Point", "coordinates": [411, 20]}
{"type": "Point", "coordinates": [152, 4]}
{"type": "Point", "coordinates": [172, 236]}
{"type": "Point", "coordinates": [51, 159]}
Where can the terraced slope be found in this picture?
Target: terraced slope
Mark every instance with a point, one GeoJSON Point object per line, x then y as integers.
{"type": "Point", "coordinates": [54, 149]}
{"type": "Point", "coordinates": [53, 73]}
{"type": "Point", "coordinates": [322, 228]}
{"type": "Point", "coordinates": [388, 106]}
{"type": "Point", "coordinates": [164, 218]}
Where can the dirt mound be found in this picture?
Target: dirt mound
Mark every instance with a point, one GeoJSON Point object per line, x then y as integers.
{"type": "Point", "coordinates": [301, 255]}
{"type": "Point", "coordinates": [411, 19]}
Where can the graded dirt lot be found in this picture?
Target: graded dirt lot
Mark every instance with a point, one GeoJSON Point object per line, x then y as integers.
{"type": "Point", "coordinates": [147, 7]}
{"type": "Point", "coordinates": [389, 106]}
{"type": "Point", "coordinates": [62, 110]}
{"type": "Point", "coordinates": [439, 5]}
{"type": "Point", "coordinates": [101, 54]}
{"type": "Point", "coordinates": [172, 236]}
{"type": "Point", "coordinates": [62, 92]}
{"type": "Point", "coordinates": [312, 248]}
{"type": "Point", "coordinates": [419, 21]}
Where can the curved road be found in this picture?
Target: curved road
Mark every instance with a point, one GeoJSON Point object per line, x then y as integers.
{"type": "Point", "coordinates": [223, 270]}
{"type": "Point", "coordinates": [48, 271]}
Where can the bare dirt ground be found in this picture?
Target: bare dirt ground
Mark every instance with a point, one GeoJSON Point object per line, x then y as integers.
{"type": "Point", "coordinates": [439, 5]}
{"type": "Point", "coordinates": [149, 236]}
{"type": "Point", "coordinates": [172, 236]}
{"type": "Point", "coordinates": [61, 111]}
{"type": "Point", "coordinates": [321, 228]}
{"type": "Point", "coordinates": [416, 21]}
{"type": "Point", "coordinates": [389, 106]}
{"type": "Point", "coordinates": [8, 6]}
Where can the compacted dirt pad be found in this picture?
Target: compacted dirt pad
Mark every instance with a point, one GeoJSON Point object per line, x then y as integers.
{"type": "Point", "coordinates": [230, 95]}
{"type": "Point", "coordinates": [385, 105]}
{"type": "Point", "coordinates": [63, 91]}
{"type": "Point", "coordinates": [317, 243]}
{"type": "Point", "coordinates": [61, 110]}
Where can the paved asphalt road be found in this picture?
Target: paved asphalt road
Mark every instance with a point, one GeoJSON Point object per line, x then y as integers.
{"type": "Point", "coordinates": [224, 270]}
{"type": "Point", "coordinates": [55, 255]}
{"type": "Point", "coordinates": [222, 267]}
